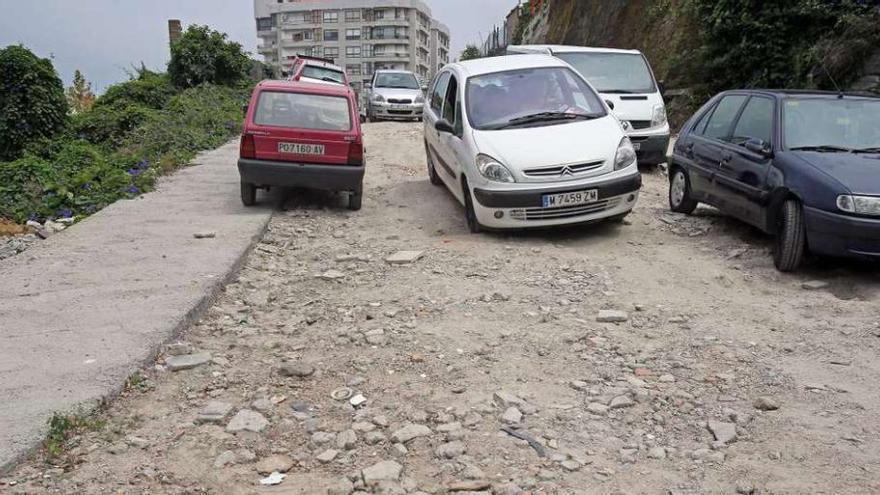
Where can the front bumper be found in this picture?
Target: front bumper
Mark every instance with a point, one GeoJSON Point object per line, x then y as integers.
{"type": "Point", "coordinates": [833, 234]}
{"type": "Point", "coordinates": [652, 148]}
{"type": "Point", "coordinates": [306, 175]}
{"type": "Point", "coordinates": [523, 208]}
{"type": "Point", "coordinates": [397, 111]}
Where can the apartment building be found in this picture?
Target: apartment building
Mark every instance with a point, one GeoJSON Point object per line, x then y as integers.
{"type": "Point", "coordinates": [360, 35]}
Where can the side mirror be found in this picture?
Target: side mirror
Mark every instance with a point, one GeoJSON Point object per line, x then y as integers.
{"type": "Point", "coordinates": [758, 146]}
{"type": "Point", "coordinates": [424, 88]}
{"type": "Point", "coordinates": [610, 104]}
{"type": "Point", "coordinates": [368, 85]}
{"type": "Point", "coordinates": [661, 86]}
{"type": "Point", "coordinates": [443, 125]}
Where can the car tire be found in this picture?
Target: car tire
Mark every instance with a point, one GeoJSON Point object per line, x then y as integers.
{"type": "Point", "coordinates": [791, 237]}
{"type": "Point", "coordinates": [470, 214]}
{"type": "Point", "coordinates": [432, 172]}
{"type": "Point", "coordinates": [680, 200]}
{"type": "Point", "coordinates": [355, 198]}
{"type": "Point", "coordinates": [248, 194]}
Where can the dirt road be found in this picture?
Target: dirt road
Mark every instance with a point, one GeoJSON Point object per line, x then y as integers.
{"type": "Point", "coordinates": [722, 375]}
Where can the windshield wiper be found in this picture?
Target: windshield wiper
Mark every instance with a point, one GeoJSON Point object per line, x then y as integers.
{"type": "Point", "coordinates": [618, 92]}
{"type": "Point", "coordinates": [822, 148]}
{"type": "Point", "coordinates": [547, 117]}
{"type": "Point", "coordinates": [872, 149]}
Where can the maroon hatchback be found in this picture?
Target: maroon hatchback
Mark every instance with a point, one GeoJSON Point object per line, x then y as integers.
{"type": "Point", "coordinates": [301, 134]}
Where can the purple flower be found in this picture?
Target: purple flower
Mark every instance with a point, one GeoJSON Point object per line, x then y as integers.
{"type": "Point", "coordinates": [135, 171]}
{"type": "Point", "coordinates": [143, 164]}
{"type": "Point", "coordinates": [133, 190]}
{"type": "Point", "coordinates": [87, 186]}
{"type": "Point", "coordinates": [64, 213]}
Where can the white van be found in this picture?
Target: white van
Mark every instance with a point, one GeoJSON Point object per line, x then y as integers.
{"type": "Point", "coordinates": [625, 80]}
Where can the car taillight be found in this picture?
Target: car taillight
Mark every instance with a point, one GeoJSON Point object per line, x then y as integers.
{"type": "Point", "coordinates": [248, 148]}
{"type": "Point", "coordinates": [356, 153]}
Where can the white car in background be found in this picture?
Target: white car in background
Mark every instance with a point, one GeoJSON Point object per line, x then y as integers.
{"type": "Point", "coordinates": [524, 141]}
{"type": "Point", "coordinates": [625, 80]}
{"type": "Point", "coordinates": [394, 94]}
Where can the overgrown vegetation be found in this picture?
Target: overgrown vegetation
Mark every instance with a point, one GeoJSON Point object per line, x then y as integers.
{"type": "Point", "coordinates": [470, 52]}
{"type": "Point", "coordinates": [203, 56]}
{"type": "Point", "coordinates": [62, 427]}
{"type": "Point", "coordinates": [116, 149]}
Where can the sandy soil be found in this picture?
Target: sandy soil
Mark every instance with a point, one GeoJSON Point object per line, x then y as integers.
{"type": "Point", "coordinates": [501, 329]}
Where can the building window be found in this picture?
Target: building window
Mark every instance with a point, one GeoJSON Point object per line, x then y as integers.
{"type": "Point", "coordinates": [353, 15]}
{"type": "Point", "coordinates": [331, 35]}
{"type": "Point", "coordinates": [353, 52]}
{"type": "Point", "coordinates": [331, 16]}
{"type": "Point", "coordinates": [331, 52]}
{"type": "Point", "coordinates": [367, 51]}
{"type": "Point", "coordinates": [352, 34]}
{"type": "Point", "coordinates": [353, 69]}
{"type": "Point", "coordinates": [368, 68]}
{"type": "Point", "coordinates": [264, 24]}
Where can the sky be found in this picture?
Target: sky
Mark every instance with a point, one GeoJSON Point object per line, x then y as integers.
{"type": "Point", "coordinates": [106, 38]}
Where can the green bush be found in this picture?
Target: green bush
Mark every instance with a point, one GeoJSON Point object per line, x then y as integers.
{"type": "Point", "coordinates": [32, 102]}
{"type": "Point", "coordinates": [110, 124]}
{"type": "Point", "coordinates": [148, 89]}
{"type": "Point", "coordinates": [203, 55]}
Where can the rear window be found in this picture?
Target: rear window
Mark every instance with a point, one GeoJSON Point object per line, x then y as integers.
{"type": "Point", "coordinates": [323, 74]}
{"type": "Point", "coordinates": [303, 111]}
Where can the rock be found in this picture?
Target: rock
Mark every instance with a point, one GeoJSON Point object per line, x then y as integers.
{"type": "Point", "coordinates": [247, 420]}
{"type": "Point", "coordinates": [179, 349]}
{"type": "Point", "coordinates": [766, 404]}
{"type": "Point", "coordinates": [117, 448]}
{"type": "Point", "coordinates": [279, 463]}
{"type": "Point", "coordinates": [597, 408]}
{"type": "Point", "coordinates": [449, 427]}
{"type": "Point", "coordinates": [341, 486]}
{"type": "Point", "coordinates": [262, 405]}
{"type": "Point", "coordinates": [382, 471]}
{"type": "Point", "coordinates": [273, 479]}
{"type": "Point", "coordinates": [450, 450]}
{"type": "Point", "coordinates": [363, 426]}
{"type": "Point", "coordinates": [570, 465]}
{"type": "Point", "coordinates": [224, 459]}
{"type": "Point", "coordinates": [723, 432]}
{"type": "Point", "coordinates": [410, 432]}
{"type": "Point", "coordinates": [612, 316]}
{"type": "Point", "coordinates": [399, 450]}
{"type": "Point", "coordinates": [404, 257]}
{"type": "Point", "coordinates": [505, 399]}
{"type": "Point", "coordinates": [205, 235]}
{"type": "Point", "coordinates": [328, 455]}
{"type": "Point", "coordinates": [188, 361]}
{"type": "Point", "coordinates": [374, 437]}
{"type": "Point", "coordinates": [322, 437]}
{"type": "Point", "coordinates": [468, 486]}
{"type": "Point", "coordinates": [346, 440]}
{"type": "Point", "coordinates": [745, 487]}
{"type": "Point", "coordinates": [507, 489]}
{"type": "Point", "coordinates": [296, 369]}
{"type": "Point", "coordinates": [667, 378]}
{"type": "Point", "coordinates": [512, 416]}
{"type": "Point", "coordinates": [358, 400]}
{"type": "Point", "coordinates": [621, 402]}
{"type": "Point", "coordinates": [137, 442]}
{"type": "Point", "coordinates": [657, 453]}
{"type": "Point", "coordinates": [331, 275]}
{"type": "Point", "coordinates": [814, 285]}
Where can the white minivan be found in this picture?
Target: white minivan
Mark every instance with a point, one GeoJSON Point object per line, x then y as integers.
{"type": "Point", "coordinates": [525, 141]}
{"type": "Point", "coordinates": [625, 80]}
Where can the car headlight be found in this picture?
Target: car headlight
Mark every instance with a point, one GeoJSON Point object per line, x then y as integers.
{"type": "Point", "coordinates": [626, 155]}
{"type": "Point", "coordinates": [862, 205]}
{"type": "Point", "coordinates": [493, 170]}
{"type": "Point", "coordinates": [420, 99]}
{"type": "Point", "coordinates": [378, 98]}
{"type": "Point", "coordinates": [659, 117]}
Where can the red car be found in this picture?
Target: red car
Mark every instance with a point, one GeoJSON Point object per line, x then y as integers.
{"type": "Point", "coordinates": [302, 134]}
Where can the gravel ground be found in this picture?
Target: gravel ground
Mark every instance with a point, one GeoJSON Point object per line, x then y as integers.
{"type": "Point", "coordinates": [664, 355]}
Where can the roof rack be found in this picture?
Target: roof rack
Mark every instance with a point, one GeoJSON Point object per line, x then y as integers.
{"type": "Point", "coordinates": [317, 59]}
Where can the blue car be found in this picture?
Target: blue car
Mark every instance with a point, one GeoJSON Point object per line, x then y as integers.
{"type": "Point", "coordinates": [802, 166]}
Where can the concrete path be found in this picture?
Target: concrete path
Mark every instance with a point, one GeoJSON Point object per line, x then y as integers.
{"type": "Point", "coordinates": [82, 310]}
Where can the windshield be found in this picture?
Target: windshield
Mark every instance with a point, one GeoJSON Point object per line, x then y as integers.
{"type": "Point", "coordinates": [396, 80]}
{"type": "Point", "coordinates": [323, 74]}
{"type": "Point", "coordinates": [848, 123]}
{"type": "Point", "coordinates": [613, 72]}
{"type": "Point", "coordinates": [303, 111]}
{"type": "Point", "coordinates": [542, 96]}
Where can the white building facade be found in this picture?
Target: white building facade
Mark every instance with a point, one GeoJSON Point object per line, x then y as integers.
{"type": "Point", "coordinates": [360, 35]}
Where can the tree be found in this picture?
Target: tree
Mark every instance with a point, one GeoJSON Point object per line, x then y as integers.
{"type": "Point", "coordinates": [32, 104]}
{"type": "Point", "coordinates": [469, 53]}
{"type": "Point", "coordinates": [80, 96]}
{"type": "Point", "coordinates": [203, 55]}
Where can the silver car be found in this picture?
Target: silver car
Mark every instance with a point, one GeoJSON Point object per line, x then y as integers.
{"type": "Point", "coordinates": [394, 94]}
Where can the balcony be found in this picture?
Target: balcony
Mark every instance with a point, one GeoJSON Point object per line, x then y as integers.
{"type": "Point", "coordinates": [297, 43]}
{"type": "Point", "coordinates": [267, 48]}
{"type": "Point", "coordinates": [390, 56]}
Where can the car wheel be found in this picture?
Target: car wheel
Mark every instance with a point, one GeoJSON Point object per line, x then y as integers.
{"type": "Point", "coordinates": [248, 194]}
{"type": "Point", "coordinates": [432, 172]}
{"type": "Point", "coordinates": [791, 237]}
{"type": "Point", "coordinates": [470, 215]}
{"type": "Point", "coordinates": [680, 200]}
{"type": "Point", "coordinates": [355, 198]}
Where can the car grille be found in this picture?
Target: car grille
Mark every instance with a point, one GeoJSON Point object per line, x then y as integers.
{"type": "Point", "coordinates": [640, 124]}
{"type": "Point", "coordinates": [400, 112]}
{"type": "Point", "coordinates": [402, 102]}
{"type": "Point", "coordinates": [563, 170]}
{"type": "Point", "coordinates": [564, 211]}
